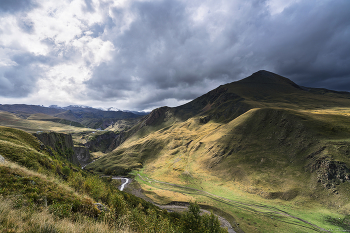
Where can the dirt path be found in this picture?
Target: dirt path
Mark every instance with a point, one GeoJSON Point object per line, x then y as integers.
{"type": "Point", "coordinates": [251, 207]}
{"type": "Point", "coordinates": [180, 208]}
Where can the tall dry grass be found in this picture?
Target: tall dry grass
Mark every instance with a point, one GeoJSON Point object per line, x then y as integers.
{"type": "Point", "coordinates": [26, 219]}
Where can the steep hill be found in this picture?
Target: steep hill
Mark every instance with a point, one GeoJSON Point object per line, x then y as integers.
{"type": "Point", "coordinates": [262, 136]}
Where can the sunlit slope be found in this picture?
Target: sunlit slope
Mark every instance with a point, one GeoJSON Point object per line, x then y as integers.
{"type": "Point", "coordinates": [273, 152]}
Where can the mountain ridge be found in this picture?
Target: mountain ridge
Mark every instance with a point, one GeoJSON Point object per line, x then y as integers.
{"type": "Point", "coordinates": [77, 115]}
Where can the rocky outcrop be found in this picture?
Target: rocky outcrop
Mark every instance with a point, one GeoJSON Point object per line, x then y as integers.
{"type": "Point", "coordinates": [103, 142]}
{"type": "Point", "coordinates": [62, 144]}
{"type": "Point", "coordinates": [59, 142]}
{"type": "Point", "coordinates": [155, 116]}
{"type": "Point", "coordinates": [119, 139]}
{"type": "Point", "coordinates": [2, 159]}
{"type": "Point", "coordinates": [82, 155]}
{"type": "Point", "coordinates": [330, 173]}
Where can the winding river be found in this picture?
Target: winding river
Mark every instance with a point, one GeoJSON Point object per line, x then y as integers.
{"type": "Point", "coordinates": [124, 180]}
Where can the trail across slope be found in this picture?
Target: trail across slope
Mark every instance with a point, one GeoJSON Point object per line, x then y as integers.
{"type": "Point", "coordinates": [272, 212]}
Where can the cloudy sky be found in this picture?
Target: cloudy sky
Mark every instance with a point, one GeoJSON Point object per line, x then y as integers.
{"type": "Point", "coordinates": [142, 54]}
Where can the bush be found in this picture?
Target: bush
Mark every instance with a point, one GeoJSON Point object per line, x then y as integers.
{"type": "Point", "coordinates": [66, 170]}
{"type": "Point", "coordinates": [192, 221]}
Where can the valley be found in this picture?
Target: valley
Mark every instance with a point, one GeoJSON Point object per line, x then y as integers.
{"type": "Point", "coordinates": [263, 141]}
{"type": "Point", "coordinates": [263, 153]}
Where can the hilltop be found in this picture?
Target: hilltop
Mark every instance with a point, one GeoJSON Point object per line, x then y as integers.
{"type": "Point", "coordinates": [263, 137]}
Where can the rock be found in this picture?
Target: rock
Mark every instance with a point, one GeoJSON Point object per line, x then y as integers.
{"type": "Point", "coordinates": [2, 159]}
{"type": "Point", "coordinates": [329, 172]}
{"type": "Point", "coordinates": [57, 141]}
{"type": "Point", "coordinates": [82, 155]}
{"type": "Point", "coordinates": [103, 142]}
{"type": "Point", "coordinates": [101, 207]}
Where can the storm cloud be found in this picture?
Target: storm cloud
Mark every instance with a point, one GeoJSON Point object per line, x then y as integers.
{"type": "Point", "coordinates": [144, 54]}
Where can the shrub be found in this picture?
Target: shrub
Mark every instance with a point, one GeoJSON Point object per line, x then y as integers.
{"type": "Point", "coordinates": [66, 171]}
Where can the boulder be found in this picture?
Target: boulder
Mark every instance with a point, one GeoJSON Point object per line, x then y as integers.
{"type": "Point", "coordinates": [2, 159]}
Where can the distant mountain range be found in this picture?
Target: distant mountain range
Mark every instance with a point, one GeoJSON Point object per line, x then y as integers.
{"type": "Point", "coordinates": [78, 115]}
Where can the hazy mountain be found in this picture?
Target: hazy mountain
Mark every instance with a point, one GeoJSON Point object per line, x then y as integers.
{"type": "Point", "coordinates": [74, 114]}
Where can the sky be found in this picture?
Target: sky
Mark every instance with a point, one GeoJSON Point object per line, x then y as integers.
{"type": "Point", "coordinates": [143, 54]}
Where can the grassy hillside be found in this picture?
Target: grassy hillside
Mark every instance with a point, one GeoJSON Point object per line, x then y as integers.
{"type": "Point", "coordinates": [263, 140]}
{"type": "Point", "coordinates": [45, 193]}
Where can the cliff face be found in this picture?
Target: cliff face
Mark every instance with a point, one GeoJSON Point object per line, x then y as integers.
{"type": "Point", "coordinates": [82, 155]}
{"type": "Point", "coordinates": [63, 145]}
{"type": "Point", "coordinates": [103, 142]}
{"type": "Point", "coordinates": [118, 140]}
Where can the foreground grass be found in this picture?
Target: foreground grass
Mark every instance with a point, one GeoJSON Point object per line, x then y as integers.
{"type": "Point", "coordinates": [15, 218]}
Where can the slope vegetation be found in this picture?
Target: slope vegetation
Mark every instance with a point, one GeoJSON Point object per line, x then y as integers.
{"type": "Point", "coordinates": [44, 192]}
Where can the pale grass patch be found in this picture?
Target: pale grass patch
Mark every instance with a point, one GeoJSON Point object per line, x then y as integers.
{"type": "Point", "coordinates": [158, 195]}
{"type": "Point", "coordinates": [96, 155]}
{"type": "Point", "coordinates": [332, 111]}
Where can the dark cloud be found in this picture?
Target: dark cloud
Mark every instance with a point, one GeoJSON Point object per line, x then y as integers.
{"type": "Point", "coordinates": [159, 50]}
{"type": "Point", "coordinates": [17, 5]}
{"type": "Point", "coordinates": [171, 50]}
{"type": "Point", "coordinates": [19, 79]}
{"type": "Point", "coordinates": [19, 82]}
{"type": "Point", "coordinates": [312, 44]}
{"type": "Point", "coordinates": [165, 50]}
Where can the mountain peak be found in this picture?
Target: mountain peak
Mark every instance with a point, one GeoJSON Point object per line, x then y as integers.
{"type": "Point", "coordinates": [266, 77]}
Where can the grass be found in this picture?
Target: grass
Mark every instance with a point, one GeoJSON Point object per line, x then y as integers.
{"type": "Point", "coordinates": [25, 219]}
{"type": "Point", "coordinates": [253, 214]}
